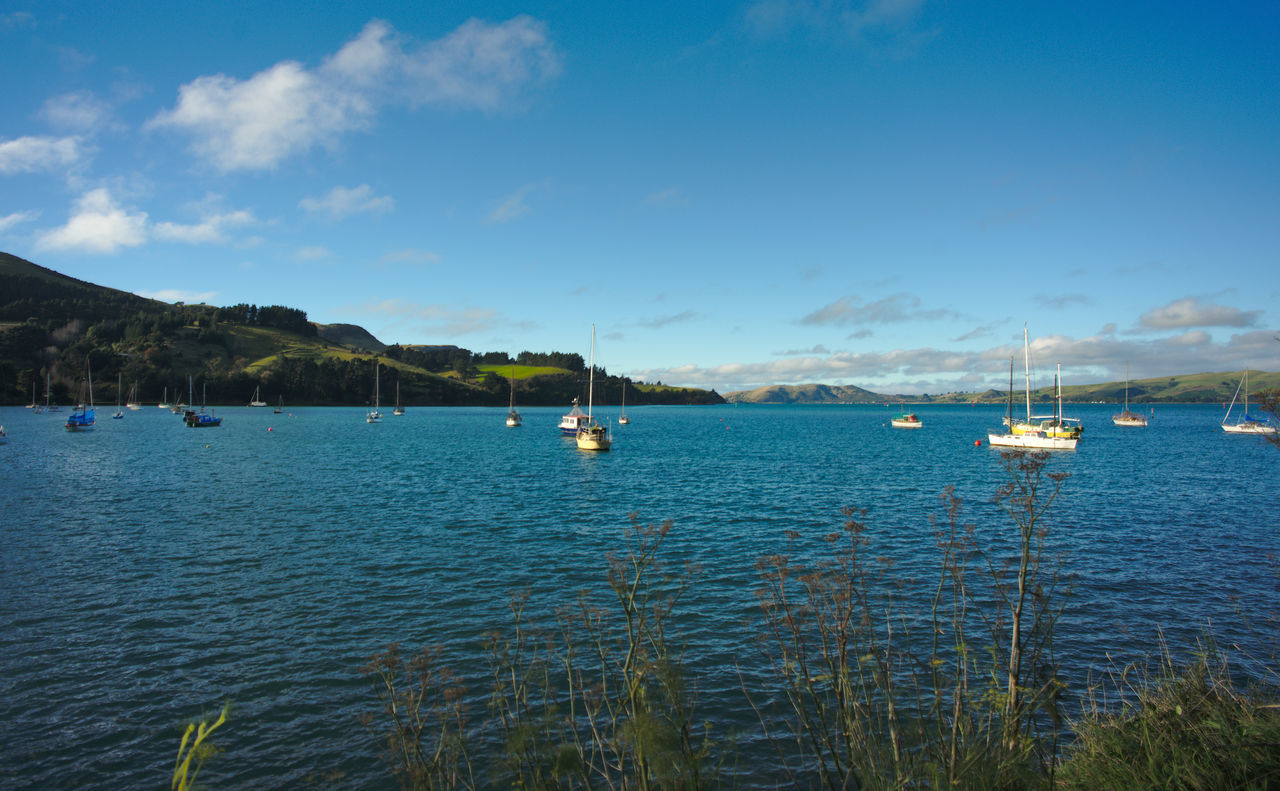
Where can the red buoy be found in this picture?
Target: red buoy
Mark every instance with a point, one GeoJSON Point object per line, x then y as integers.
{"type": "Point", "coordinates": [977, 443]}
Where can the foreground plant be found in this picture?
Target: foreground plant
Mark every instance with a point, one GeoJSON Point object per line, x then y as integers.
{"type": "Point", "coordinates": [198, 750]}
{"type": "Point", "coordinates": [1178, 727]}
{"type": "Point", "coordinates": [876, 697]}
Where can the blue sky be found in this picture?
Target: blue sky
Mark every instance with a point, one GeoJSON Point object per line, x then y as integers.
{"type": "Point", "coordinates": [736, 194]}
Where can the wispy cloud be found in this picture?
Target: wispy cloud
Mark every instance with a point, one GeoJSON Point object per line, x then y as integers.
{"type": "Point", "coordinates": [210, 230]}
{"type": "Point", "coordinates": [39, 154]}
{"type": "Point", "coordinates": [441, 320]}
{"type": "Point", "coordinates": [511, 207]}
{"type": "Point", "coordinates": [97, 225]}
{"type": "Point", "coordinates": [410, 256]}
{"type": "Point", "coordinates": [1191, 312]}
{"type": "Point", "coordinates": [289, 109]}
{"type": "Point", "coordinates": [17, 218]}
{"type": "Point", "coordinates": [79, 111]}
{"type": "Point", "coordinates": [312, 253]}
{"type": "Point", "coordinates": [663, 321]}
{"type": "Point", "coordinates": [179, 295]}
{"type": "Point", "coordinates": [1060, 301]}
{"type": "Point", "coordinates": [887, 25]}
{"type": "Point", "coordinates": [670, 198]}
{"type": "Point", "coordinates": [891, 309]}
{"type": "Point", "coordinates": [341, 202]}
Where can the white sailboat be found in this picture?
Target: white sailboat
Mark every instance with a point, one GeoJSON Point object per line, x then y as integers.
{"type": "Point", "coordinates": [593, 436]}
{"type": "Point", "coordinates": [1029, 436]}
{"type": "Point", "coordinates": [622, 416]}
{"type": "Point", "coordinates": [118, 415]}
{"type": "Point", "coordinates": [1247, 424]}
{"type": "Point", "coordinates": [164, 400]}
{"type": "Point", "coordinates": [132, 403]}
{"type": "Point", "coordinates": [399, 410]}
{"type": "Point", "coordinates": [256, 401]}
{"type": "Point", "coordinates": [1127, 418]}
{"type": "Point", "coordinates": [375, 413]}
{"type": "Point", "coordinates": [513, 417]}
{"type": "Point", "coordinates": [279, 407]}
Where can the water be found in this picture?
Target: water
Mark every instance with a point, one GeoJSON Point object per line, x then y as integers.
{"type": "Point", "coordinates": [149, 571]}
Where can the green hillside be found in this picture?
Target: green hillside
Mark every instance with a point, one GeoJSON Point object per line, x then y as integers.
{"type": "Point", "coordinates": [56, 326]}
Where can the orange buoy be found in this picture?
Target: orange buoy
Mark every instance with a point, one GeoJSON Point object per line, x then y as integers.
{"type": "Point", "coordinates": [977, 443]}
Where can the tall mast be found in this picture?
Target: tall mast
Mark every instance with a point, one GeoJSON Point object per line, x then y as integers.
{"type": "Point", "coordinates": [1026, 353]}
{"type": "Point", "coordinates": [591, 378]}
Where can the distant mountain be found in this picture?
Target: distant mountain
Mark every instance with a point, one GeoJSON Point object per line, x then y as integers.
{"type": "Point", "coordinates": [1184, 388]}
{"type": "Point", "coordinates": [807, 394]}
{"type": "Point", "coordinates": [352, 335]}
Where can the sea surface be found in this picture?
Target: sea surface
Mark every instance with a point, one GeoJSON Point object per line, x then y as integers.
{"type": "Point", "coordinates": [150, 572]}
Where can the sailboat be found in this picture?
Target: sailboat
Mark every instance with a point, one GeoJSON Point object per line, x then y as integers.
{"type": "Point", "coordinates": [82, 417]}
{"type": "Point", "coordinates": [1029, 436]}
{"type": "Point", "coordinates": [199, 419]}
{"type": "Point", "coordinates": [256, 401]}
{"type": "Point", "coordinates": [622, 416]}
{"type": "Point", "coordinates": [1127, 418]}
{"type": "Point", "coordinates": [118, 415]}
{"type": "Point", "coordinates": [49, 407]}
{"type": "Point", "coordinates": [375, 414]}
{"type": "Point", "coordinates": [164, 400]}
{"type": "Point", "coordinates": [399, 410]}
{"type": "Point", "coordinates": [593, 436]}
{"type": "Point", "coordinates": [132, 402]}
{"type": "Point", "coordinates": [279, 407]}
{"type": "Point", "coordinates": [513, 417]}
{"type": "Point", "coordinates": [1246, 424]}
{"type": "Point", "coordinates": [33, 406]}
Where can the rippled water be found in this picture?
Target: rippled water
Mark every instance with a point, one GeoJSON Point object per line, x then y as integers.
{"type": "Point", "coordinates": [149, 571]}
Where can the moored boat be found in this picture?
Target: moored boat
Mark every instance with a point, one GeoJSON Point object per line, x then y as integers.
{"type": "Point", "coordinates": [82, 417]}
{"type": "Point", "coordinates": [592, 435]}
{"type": "Point", "coordinates": [1246, 424]}
{"type": "Point", "coordinates": [1127, 418]}
{"type": "Point", "coordinates": [573, 420]}
{"type": "Point", "coordinates": [1025, 434]}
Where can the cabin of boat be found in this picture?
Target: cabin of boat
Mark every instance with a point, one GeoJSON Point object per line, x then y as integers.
{"type": "Point", "coordinates": [906, 420]}
{"type": "Point", "coordinates": [1032, 439]}
{"type": "Point", "coordinates": [573, 421]}
{"type": "Point", "coordinates": [513, 418]}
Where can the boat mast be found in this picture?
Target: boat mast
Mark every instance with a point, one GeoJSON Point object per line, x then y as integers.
{"type": "Point", "coordinates": [1009, 420]}
{"type": "Point", "coordinates": [1026, 353]}
{"type": "Point", "coordinates": [1057, 385]}
{"type": "Point", "coordinates": [591, 378]}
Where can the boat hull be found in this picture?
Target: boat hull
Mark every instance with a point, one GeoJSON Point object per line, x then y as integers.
{"type": "Point", "coordinates": [594, 438]}
{"type": "Point", "coordinates": [1036, 441]}
{"type": "Point", "coordinates": [1248, 428]}
{"type": "Point", "coordinates": [1129, 419]}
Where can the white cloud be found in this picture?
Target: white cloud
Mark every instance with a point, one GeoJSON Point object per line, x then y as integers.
{"type": "Point", "coordinates": [1191, 312]}
{"type": "Point", "coordinates": [289, 109]}
{"type": "Point", "coordinates": [37, 154]}
{"type": "Point", "coordinates": [17, 218]}
{"type": "Point", "coordinates": [341, 202]}
{"type": "Point", "coordinates": [78, 111]}
{"type": "Point", "coordinates": [178, 295]}
{"type": "Point", "coordinates": [880, 22]}
{"type": "Point", "coordinates": [98, 225]}
{"type": "Point", "coordinates": [209, 231]}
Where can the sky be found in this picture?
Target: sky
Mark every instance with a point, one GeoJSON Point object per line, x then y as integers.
{"type": "Point", "coordinates": [881, 194]}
